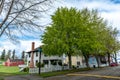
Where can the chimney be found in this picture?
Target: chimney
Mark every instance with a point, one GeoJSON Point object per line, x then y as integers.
{"type": "Point", "coordinates": [33, 46]}
{"type": "Point", "coordinates": [32, 55]}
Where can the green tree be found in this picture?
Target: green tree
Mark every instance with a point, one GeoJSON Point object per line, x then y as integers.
{"type": "Point", "coordinates": [74, 32]}
{"type": "Point", "coordinates": [107, 44]}
{"type": "Point", "coordinates": [89, 41]}
{"type": "Point", "coordinates": [3, 55]}
{"type": "Point", "coordinates": [23, 55]}
{"type": "Point", "coordinates": [8, 54]}
{"type": "Point", "coordinates": [111, 42]}
{"type": "Point", "coordinates": [116, 44]}
{"type": "Point", "coordinates": [13, 54]}
{"type": "Point", "coordinates": [61, 37]}
{"type": "Point", "coordinates": [98, 43]}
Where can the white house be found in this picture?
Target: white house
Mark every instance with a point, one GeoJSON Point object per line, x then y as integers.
{"type": "Point", "coordinates": [33, 57]}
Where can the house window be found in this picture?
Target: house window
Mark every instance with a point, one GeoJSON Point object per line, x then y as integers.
{"type": "Point", "coordinates": [45, 61]}
{"type": "Point", "coordinates": [28, 61]}
{"type": "Point", "coordinates": [78, 63]}
{"type": "Point", "coordinates": [29, 54]}
{"type": "Point", "coordinates": [45, 55]}
{"type": "Point", "coordinates": [36, 54]}
{"type": "Point", "coordinates": [36, 61]}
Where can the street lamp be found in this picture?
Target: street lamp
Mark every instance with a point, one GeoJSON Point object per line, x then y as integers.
{"type": "Point", "coordinates": [40, 50]}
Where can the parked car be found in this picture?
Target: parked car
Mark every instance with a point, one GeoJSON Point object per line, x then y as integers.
{"type": "Point", "coordinates": [113, 64]}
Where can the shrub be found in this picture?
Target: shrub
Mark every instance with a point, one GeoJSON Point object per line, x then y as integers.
{"type": "Point", "coordinates": [26, 69]}
{"type": "Point", "coordinates": [74, 67]}
{"type": "Point", "coordinates": [41, 64]}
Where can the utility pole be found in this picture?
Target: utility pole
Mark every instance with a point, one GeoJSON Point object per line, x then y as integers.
{"type": "Point", "coordinates": [40, 50]}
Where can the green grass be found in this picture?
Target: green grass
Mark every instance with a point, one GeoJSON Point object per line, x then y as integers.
{"type": "Point", "coordinates": [9, 71]}
{"type": "Point", "coordinates": [56, 73]}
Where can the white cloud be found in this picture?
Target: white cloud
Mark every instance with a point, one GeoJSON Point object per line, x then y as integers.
{"type": "Point", "coordinates": [113, 18]}
{"type": "Point", "coordinates": [25, 45]}
{"type": "Point", "coordinates": [108, 10]}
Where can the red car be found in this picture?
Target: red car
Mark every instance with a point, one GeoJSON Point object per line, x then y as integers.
{"type": "Point", "coordinates": [113, 64]}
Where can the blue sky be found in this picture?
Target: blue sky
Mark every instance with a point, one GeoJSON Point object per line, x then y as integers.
{"type": "Point", "coordinates": [108, 9]}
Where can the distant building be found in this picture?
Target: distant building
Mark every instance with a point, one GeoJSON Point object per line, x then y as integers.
{"type": "Point", "coordinates": [77, 61]}
{"type": "Point", "coordinates": [15, 62]}
{"type": "Point", "coordinates": [48, 61]}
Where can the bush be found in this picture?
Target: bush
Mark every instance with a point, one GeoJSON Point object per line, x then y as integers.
{"type": "Point", "coordinates": [26, 69]}
{"type": "Point", "coordinates": [41, 64]}
{"type": "Point", "coordinates": [74, 67]}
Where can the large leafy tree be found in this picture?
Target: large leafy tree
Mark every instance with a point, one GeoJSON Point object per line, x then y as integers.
{"type": "Point", "coordinates": [87, 41]}
{"type": "Point", "coordinates": [61, 37]}
{"type": "Point", "coordinates": [17, 16]}
{"type": "Point", "coordinates": [99, 31]}
{"type": "Point", "coordinates": [111, 42]}
{"type": "Point", "coordinates": [74, 32]}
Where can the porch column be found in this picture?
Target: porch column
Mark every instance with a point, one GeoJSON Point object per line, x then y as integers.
{"type": "Point", "coordinates": [49, 63]}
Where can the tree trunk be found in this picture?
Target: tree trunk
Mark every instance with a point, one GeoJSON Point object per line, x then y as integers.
{"type": "Point", "coordinates": [86, 60]}
{"type": "Point", "coordinates": [70, 61]}
{"type": "Point", "coordinates": [108, 58]}
{"type": "Point", "coordinates": [115, 57]}
{"type": "Point", "coordinates": [96, 56]}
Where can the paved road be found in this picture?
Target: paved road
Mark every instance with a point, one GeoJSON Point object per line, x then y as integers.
{"type": "Point", "coordinates": [108, 73]}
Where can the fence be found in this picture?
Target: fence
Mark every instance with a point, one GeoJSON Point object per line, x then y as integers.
{"type": "Point", "coordinates": [53, 68]}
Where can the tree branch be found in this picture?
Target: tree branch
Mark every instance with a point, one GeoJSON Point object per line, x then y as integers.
{"type": "Point", "coordinates": [29, 7]}
{"type": "Point", "coordinates": [1, 6]}
{"type": "Point", "coordinates": [7, 15]}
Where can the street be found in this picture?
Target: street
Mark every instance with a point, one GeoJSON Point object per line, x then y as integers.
{"type": "Point", "coordinates": [107, 73]}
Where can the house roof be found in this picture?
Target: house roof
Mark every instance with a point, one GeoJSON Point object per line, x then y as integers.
{"type": "Point", "coordinates": [15, 60]}
{"type": "Point", "coordinates": [38, 49]}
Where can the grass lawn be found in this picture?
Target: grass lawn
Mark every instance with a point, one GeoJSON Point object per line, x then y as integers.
{"type": "Point", "coordinates": [8, 71]}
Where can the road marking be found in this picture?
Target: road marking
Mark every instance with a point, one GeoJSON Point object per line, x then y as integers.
{"type": "Point", "coordinates": [93, 75]}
